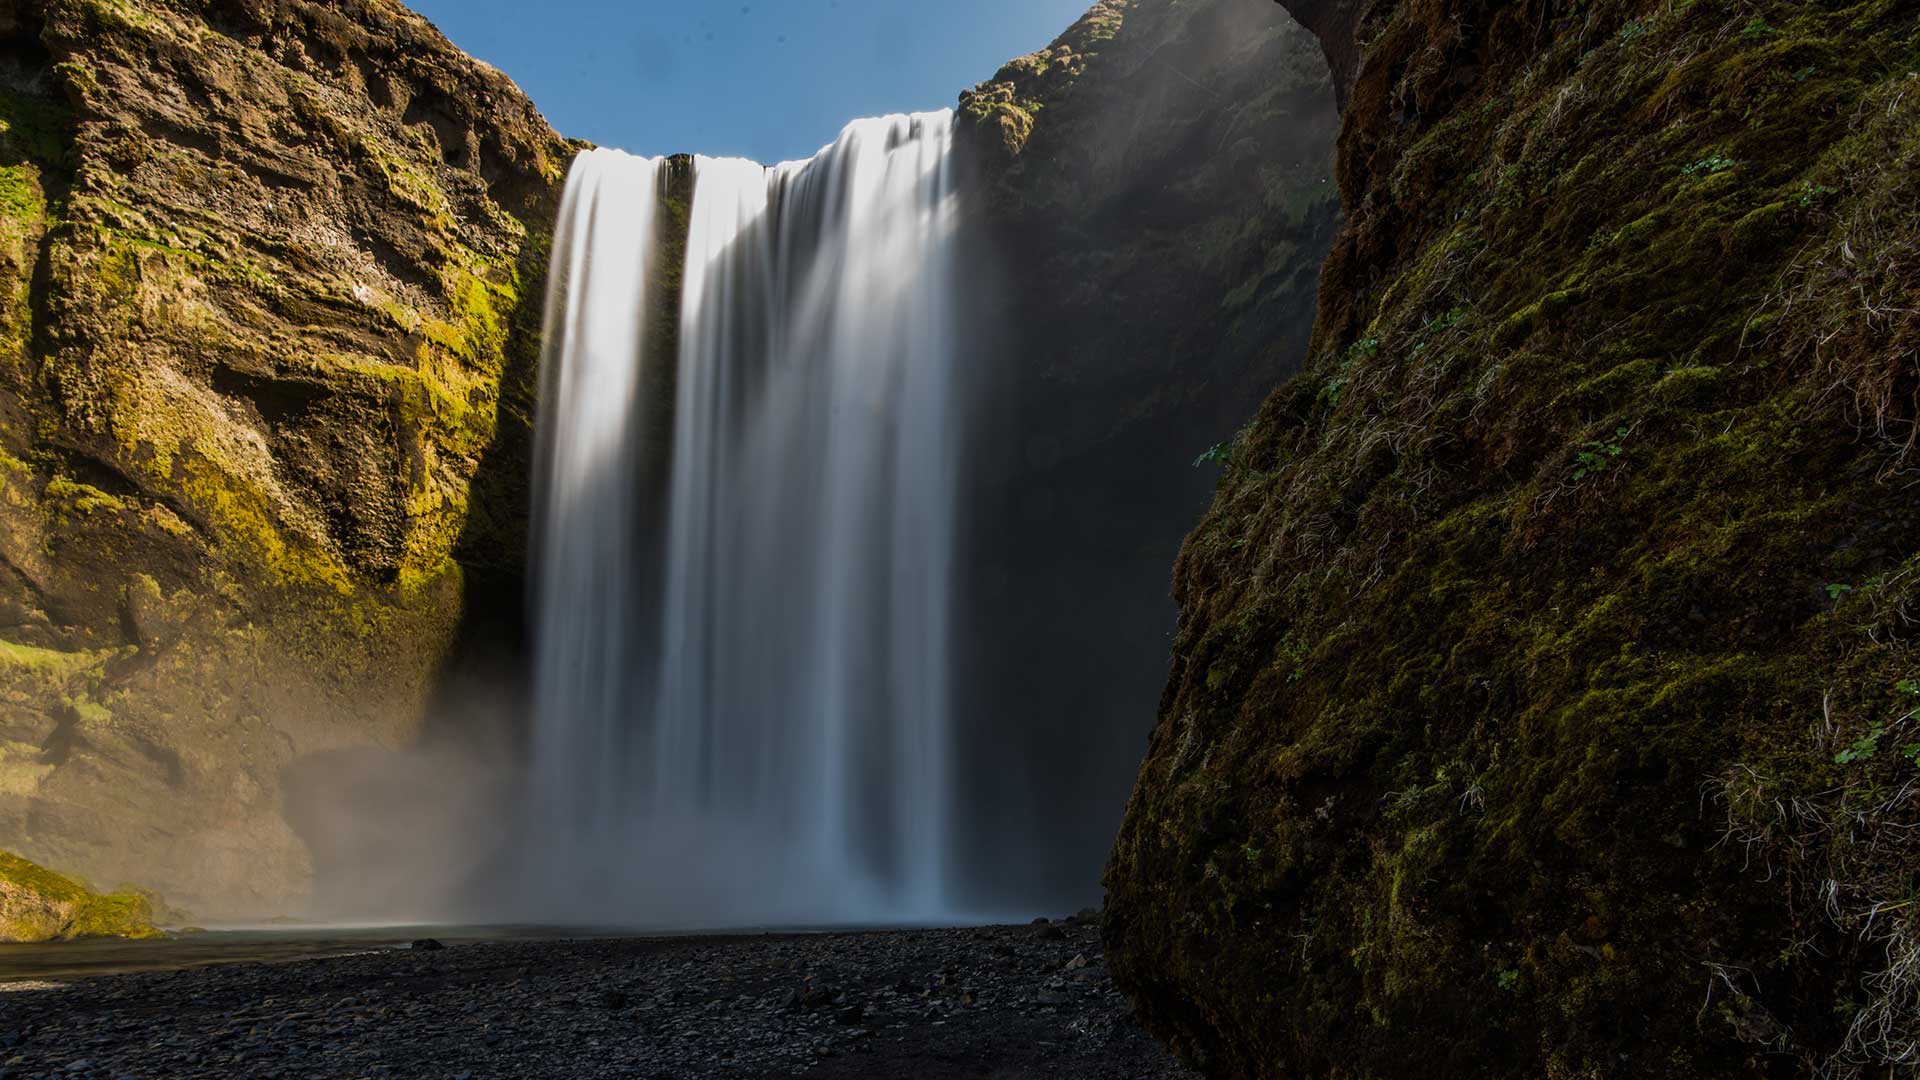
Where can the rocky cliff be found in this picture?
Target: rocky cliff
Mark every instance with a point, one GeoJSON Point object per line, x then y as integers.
{"type": "Point", "coordinates": [1156, 192]}
{"type": "Point", "coordinates": [1544, 698]}
{"type": "Point", "coordinates": [269, 302]}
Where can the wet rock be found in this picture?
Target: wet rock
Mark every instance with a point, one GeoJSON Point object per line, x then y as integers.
{"type": "Point", "coordinates": [427, 945]}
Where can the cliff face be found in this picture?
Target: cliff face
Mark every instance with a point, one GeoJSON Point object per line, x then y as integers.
{"type": "Point", "coordinates": [1543, 701]}
{"type": "Point", "coordinates": [1156, 189]}
{"type": "Point", "coordinates": [270, 281]}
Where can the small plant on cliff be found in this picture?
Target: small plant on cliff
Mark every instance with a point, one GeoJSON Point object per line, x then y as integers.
{"type": "Point", "coordinates": [1598, 452]}
{"type": "Point", "coordinates": [1217, 454]}
{"type": "Point", "coordinates": [1811, 193]}
{"type": "Point", "coordinates": [1863, 748]}
{"type": "Point", "coordinates": [1709, 166]}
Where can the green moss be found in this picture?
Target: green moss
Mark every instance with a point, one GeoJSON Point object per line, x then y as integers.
{"type": "Point", "coordinates": [21, 197]}
{"type": "Point", "coordinates": [88, 711]}
{"type": "Point", "coordinates": [49, 663]}
{"type": "Point", "coordinates": [118, 915]}
{"type": "Point", "coordinates": [40, 881]}
{"type": "Point", "coordinates": [37, 904]}
{"type": "Point", "coordinates": [117, 17]}
{"type": "Point", "coordinates": [1539, 550]}
{"type": "Point", "coordinates": [245, 522]}
{"type": "Point", "coordinates": [67, 496]}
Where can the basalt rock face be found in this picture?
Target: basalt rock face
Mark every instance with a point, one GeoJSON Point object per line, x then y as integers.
{"type": "Point", "coordinates": [1543, 697]}
{"type": "Point", "coordinates": [1157, 186]}
{"type": "Point", "coordinates": [268, 312]}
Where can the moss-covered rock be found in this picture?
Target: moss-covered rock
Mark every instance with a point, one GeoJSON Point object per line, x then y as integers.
{"type": "Point", "coordinates": [269, 291]}
{"type": "Point", "coordinates": [37, 904]}
{"type": "Point", "coordinates": [1542, 703]}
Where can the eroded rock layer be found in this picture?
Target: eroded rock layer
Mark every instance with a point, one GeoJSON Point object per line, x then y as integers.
{"type": "Point", "coordinates": [268, 301]}
{"type": "Point", "coordinates": [1543, 698]}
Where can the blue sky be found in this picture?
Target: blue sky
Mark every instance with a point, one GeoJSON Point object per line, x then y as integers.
{"type": "Point", "coordinates": [765, 79]}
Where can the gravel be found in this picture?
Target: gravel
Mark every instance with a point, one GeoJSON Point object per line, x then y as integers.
{"type": "Point", "coordinates": [1007, 1003]}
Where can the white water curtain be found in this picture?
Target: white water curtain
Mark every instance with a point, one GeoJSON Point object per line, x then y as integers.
{"type": "Point", "coordinates": [782, 751]}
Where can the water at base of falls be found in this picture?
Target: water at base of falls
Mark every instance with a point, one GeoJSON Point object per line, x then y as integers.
{"type": "Point", "coordinates": [742, 602]}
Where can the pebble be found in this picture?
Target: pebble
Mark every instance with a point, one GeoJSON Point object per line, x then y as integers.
{"type": "Point", "coordinates": [1019, 1001]}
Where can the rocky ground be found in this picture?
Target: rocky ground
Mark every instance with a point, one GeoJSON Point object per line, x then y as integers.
{"type": "Point", "coordinates": [1004, 1002]}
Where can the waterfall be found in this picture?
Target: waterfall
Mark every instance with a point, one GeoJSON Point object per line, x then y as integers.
{"type": "Point", "coordinates": [588, 605]}
{"type": "Point", "coordinates": [745, 716]}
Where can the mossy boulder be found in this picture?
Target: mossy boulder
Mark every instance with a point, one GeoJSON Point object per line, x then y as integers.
{"type": "Point", "coordinates": [1543, 702]}
{"type": "Point", "coordinates": [37, 904]}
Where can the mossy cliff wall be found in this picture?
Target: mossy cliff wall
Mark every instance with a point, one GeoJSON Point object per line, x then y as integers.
{"type": "Point", "coordinates": [1156, 188]}
{"type": "Point", "coordinates": [269, 307]}
{"type": "Point", "coordinates": [1543, 702]}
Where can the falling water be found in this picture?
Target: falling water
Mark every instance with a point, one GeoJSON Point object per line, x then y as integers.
{"type": "Point", "coordinates": [749, 719]}
{"type": "Point", "coordinates": [588, 604]}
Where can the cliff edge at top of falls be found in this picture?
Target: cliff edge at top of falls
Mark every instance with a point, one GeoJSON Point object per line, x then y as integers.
{"type": "Point", "coordinates": [269, 307]}
{"type": "Point", "coordinates": [1543, 700]}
